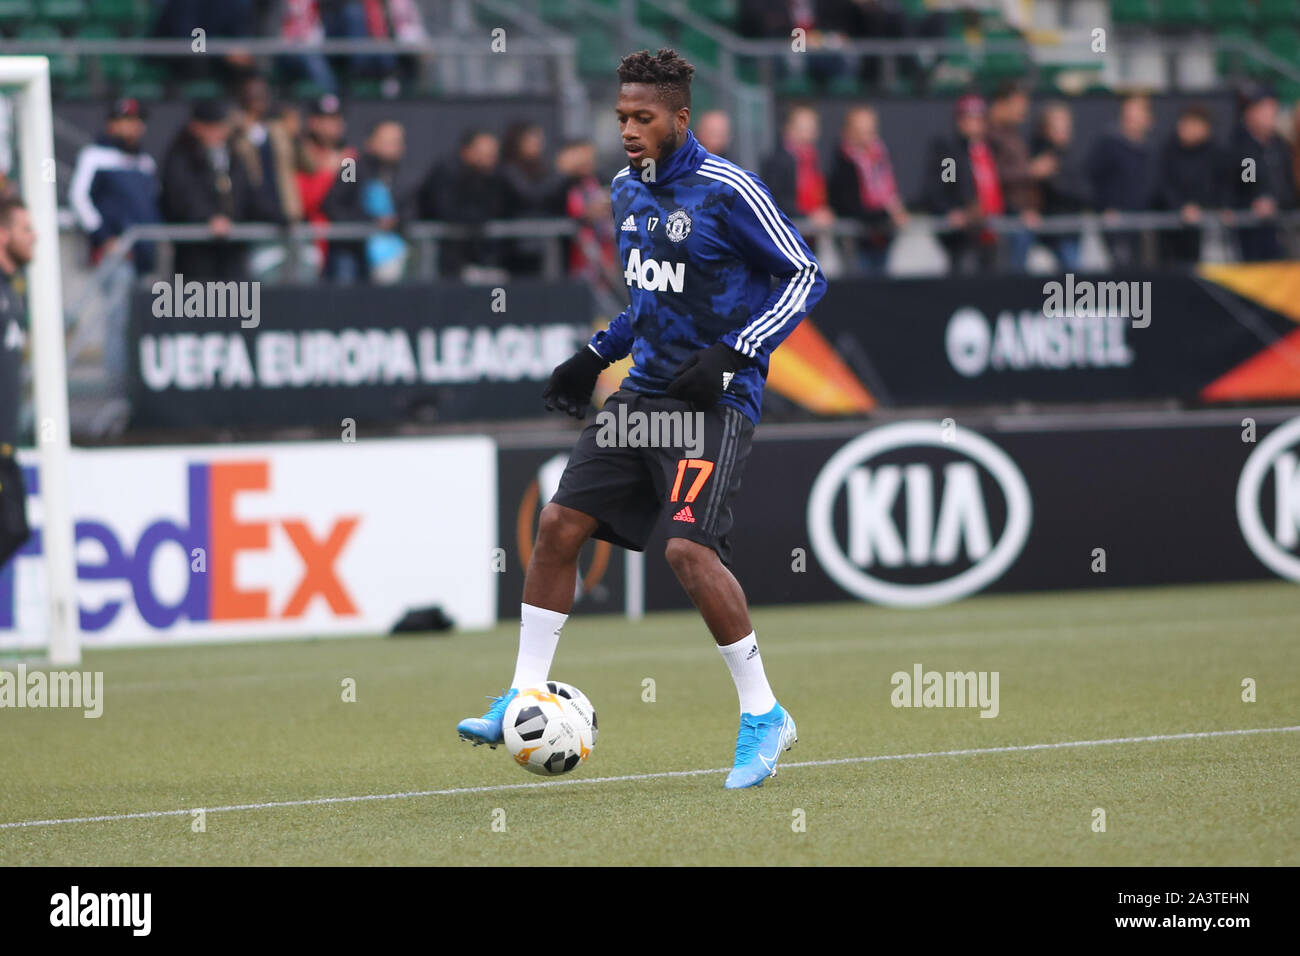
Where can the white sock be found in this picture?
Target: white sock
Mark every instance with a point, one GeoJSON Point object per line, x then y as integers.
{"type": "Point", "coordinates": [539, 633]}
{"type": "Point", "coordinates": [746, 665]}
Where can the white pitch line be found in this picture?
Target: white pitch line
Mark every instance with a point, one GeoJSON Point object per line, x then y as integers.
{"type": "Point", "coordinates": [574, 781]}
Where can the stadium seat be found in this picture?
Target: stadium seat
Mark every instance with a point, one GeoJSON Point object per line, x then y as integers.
{"type": "Point", "coordinates": [699, 47]}
{"type": "Point", "coordinates": [306, 91]}
{"type": "Point", "coordinates": [1131, 11]}
{"type": "Point", "coordinates": [1225, 12]}
{"type": "Point", "coordinates": [1002, 64]}
{"type": "Point", "coordinates": [719, 11]}
{"type": "Point", "coordinates": [557, 11]}
{"type": "Point", "coordinates": [126, 16]}
{"type": "Point", "coordinates": [1278, 13]}
{"type": "Point", "coordinates": [15, 12]}
{"type": "Point", "coordinates": [114, 68]}
{"type": "Point", "coordinates": [594, 57]}
{"type": "Point", "coordinates": [654, 18]}
{"type": "Point", "coordinates": [369, 89]}
{"type": "Point", "coordinates": [1182, 13]}
{"type": "Point", "coordinates": [954, 71]}
{"type": "Point", "coordinates": [119, 11]}
{"type": "Point", "coordinates": [1232, 62]}
{"type": "Point", "coordinates": [64, 67]}
{"type": "Point", "coordinates": [1284, 43]}
{"type": "Point", "coordinates": [147, 80]}
{"type": "Point", "coordinates": [201, 90]}
{"type": "Point", "coordinates": [748, 69]}
{"type": "Point", "coordinates": [847, 84]}
{"type": "Point", "coordinates": [797, 84]}
{"type": "Point", "coordinates": [61, 11]}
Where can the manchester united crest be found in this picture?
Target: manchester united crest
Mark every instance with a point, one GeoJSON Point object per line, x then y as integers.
{"type": "Point", "coordinates": [678, 226]}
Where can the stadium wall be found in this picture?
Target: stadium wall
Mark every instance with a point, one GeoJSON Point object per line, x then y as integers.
{"type": "Point", "coordinates": [245, 542]}
{"type": "Point", "coordinates": [379, 355]}
{"type": "Point", "coordinates": [919, 512]}
{"type": "Point", "coordinates": [416, 353]}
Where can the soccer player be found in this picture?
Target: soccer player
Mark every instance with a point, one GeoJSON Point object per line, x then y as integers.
{"type": "Point", "coordinates": [701, 241]}
{"type": "Point", "coordinates": [17, 242]}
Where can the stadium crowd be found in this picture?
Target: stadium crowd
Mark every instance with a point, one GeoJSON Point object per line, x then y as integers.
{"type": "Point", "coordinates": [302, 22]}
{"type": "Point", "coordinates": [259, 161]}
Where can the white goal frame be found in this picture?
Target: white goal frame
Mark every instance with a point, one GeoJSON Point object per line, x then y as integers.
{"type": "Point", "coordinates": [35, 134]}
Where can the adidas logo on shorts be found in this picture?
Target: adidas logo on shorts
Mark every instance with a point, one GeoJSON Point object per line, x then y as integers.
{"type": "Point", "coordinates": [685, 515]}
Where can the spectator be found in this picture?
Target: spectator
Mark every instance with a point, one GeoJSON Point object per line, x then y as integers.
{"type": "Point", "coordinates": [793, 172]}
{"type": "Point", "coordinates": [593, 251]}
{"type": "Point", "coordinates": [862, 187]}
{"type": "Point", "coordinates": [320, 167]}
{"type": "Point", "coordinates": [826, 25]}
{"type": "Point", "coordinates": [467, 189]}
{"type": "Point", "coordinates": [763, 20]}
{"type": "Point", "coordinates": [355, 19]}
{"type": "Point", "coordinates": [1189, 183]}
{"type": "Point", "coordinates": [1062, 180]}
{"type": "Point", "coordinates": [1008, 111]}
{"type": "Point", "coordinates": [179, 19]}
{"type": "Point", "coordinates": [370, 197]}
{"type": "Point", "coordinates": [269, 149]}
{"type": "Point", "coordinates": [962, 186]}
{"type": "Point", "coordinates": [1119, 168]}
{"type": "Point", "coordinates": [115, 185]}
{"type": "Point", "coordinates": [532, 191]}
{"type": "Point", "coordinates": [1295, 143]}
{"type": "Point", "coordinates": [1272, 187]}
{"type": "Point", "coordinates": [880, 20]}
{"type": "Point", "coordinates": [203, 181]}
{"type": "Point", "coordinates": [300, 23]}
{"type": "Point", "coordinates": [713, 130]}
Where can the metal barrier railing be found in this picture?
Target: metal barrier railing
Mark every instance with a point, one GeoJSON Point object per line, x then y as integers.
{"type": "Point", "coordinates": [429, 234]}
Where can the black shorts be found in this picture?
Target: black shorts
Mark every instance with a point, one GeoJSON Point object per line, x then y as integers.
{"type": "Point", "coordinates": [685, 471]}
{"type": "Point", "coordinates": [14, 531]}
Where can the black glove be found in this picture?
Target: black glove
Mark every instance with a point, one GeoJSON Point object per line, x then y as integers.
{"type": "Point", "coordinates": [573, 381]}
{"type": "Point", "coordinates": [706, 374]}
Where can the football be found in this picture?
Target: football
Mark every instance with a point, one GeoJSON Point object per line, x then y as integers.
{"type": "Point", "coordinates": [585, 706]}
{"type": "Point", "coordinates": [546, 733]}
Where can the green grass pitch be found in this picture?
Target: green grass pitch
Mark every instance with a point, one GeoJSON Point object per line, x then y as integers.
{"type": "Point", "coordinates": [247, 725]}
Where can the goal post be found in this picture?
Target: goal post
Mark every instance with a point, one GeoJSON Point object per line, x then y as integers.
{"type": "Point", "coordinates": [35, 134]}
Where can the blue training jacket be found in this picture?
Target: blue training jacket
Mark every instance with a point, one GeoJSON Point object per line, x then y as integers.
{"type": "Point", "coordinates": [701, 246]}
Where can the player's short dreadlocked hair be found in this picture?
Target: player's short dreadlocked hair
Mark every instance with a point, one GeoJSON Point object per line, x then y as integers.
{"type": "Point", "coordinates": [666, 70]}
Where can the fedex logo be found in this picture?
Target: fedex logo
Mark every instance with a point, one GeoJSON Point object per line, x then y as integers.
{"type": "Point", "coordinates": [212, 537]}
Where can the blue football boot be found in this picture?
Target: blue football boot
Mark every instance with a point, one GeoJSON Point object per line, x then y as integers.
{"type": "Point", "coordinates": [759, 745]}
{"type": "Point", "coordinates": [487, 729]}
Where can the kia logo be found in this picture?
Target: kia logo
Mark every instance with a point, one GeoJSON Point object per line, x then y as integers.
{"type": "Point", "coordinates": [1276, 453]}
{"type": "Point", "coordinates": [944, 516]}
